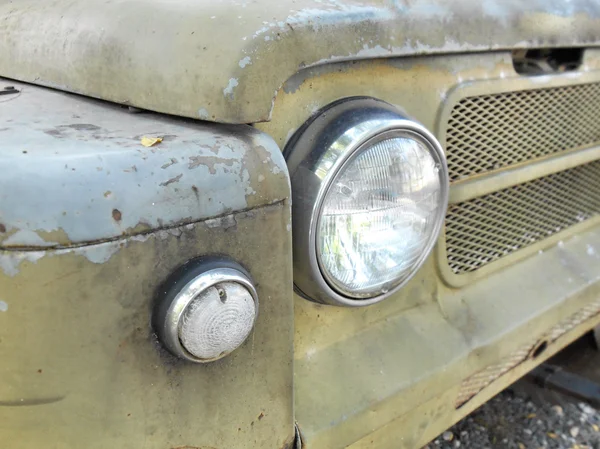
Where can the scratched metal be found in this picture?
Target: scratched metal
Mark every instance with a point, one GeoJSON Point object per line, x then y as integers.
{"type": "Point", "coordinates": [224, 61]}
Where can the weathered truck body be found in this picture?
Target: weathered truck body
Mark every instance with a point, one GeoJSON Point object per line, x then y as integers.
{"type": "Point", "coordinates": [95, 226]}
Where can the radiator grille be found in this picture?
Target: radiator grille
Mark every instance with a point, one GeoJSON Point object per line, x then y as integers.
{"type": "Point", "coordinates": [484, 229]}
{"type": "Point", "coordinates": [493, 131]}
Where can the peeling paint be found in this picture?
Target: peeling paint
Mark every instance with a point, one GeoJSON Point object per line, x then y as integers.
{"type": "Point", "coordinates": [228, 91]}
{"type": "Point", "coordinates": [203, 114]}
{"type": "Point", "coordinates": [333, 31]}
{"type": "Point", "coordinates": [245, 61]}
{"type": "Point", "coordinates": [202, 173]}
{"type": "Point", "coordinates": [10, 261]}
{"type": "Point", "coordinates": [27, 238]}
{"type": "Point", "coordinates": [102, 252]}
{"type": "Point", "coordinates": [3, 306]}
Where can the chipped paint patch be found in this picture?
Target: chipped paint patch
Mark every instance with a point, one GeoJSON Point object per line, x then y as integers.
{"type": "Point", "coordinates": [26, 238]}
{"type": "Point", "coordinates": [10, 261]}
{"type": "Point", "coordinates": [245, 61]}
{"type": "Point", "coordinates": [226, 222]}
{"type": "Point", "coordinates": [203, 114]}
{"type": "Point", "coordinates": [3, 306]}
{"type": "Point", "coordinates": [228, 91]}
{"type": "Point", "coordinates": [102, 252]}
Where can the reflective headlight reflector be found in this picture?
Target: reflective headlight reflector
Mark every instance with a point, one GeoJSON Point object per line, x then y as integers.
{"type": "Point", "coordinates": [378, 216]}
{"type": "Point", "coordinates": [370, 191]}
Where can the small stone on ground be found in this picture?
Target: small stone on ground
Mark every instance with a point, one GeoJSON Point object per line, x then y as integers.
{"type": "Point", "coordinates": [512, 420]}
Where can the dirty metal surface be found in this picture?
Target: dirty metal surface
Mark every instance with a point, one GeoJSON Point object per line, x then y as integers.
{"type": "Point", "coordinates": [224, 61]}
{"type": "Point", "coordinates": [477, 382]}
{"type": "Point", "coordinates": [81, 367]}
{"type": "Point", "coordinates": [404, 381]}
{"type": "Point", "coordinates": [74, 170]}
{"type": "Point", "coordinates": [388, 376]}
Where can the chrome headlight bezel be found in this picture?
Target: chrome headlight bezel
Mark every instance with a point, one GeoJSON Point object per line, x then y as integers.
{"type": "Point", "coordinates": [317, 153]}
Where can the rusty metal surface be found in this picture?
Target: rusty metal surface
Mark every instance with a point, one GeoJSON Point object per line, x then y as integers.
{"type": "Point", "coordinates": [224, 61]}
{"type": "Point", "coordinates": [81, 367]}
{"type": "Point", "coordinates": [74, 171]}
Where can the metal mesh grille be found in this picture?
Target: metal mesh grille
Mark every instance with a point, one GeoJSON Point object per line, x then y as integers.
{"type": "Point", "coordinates": [484, 229]}
{"type": "Point", "coordinates": [492, 131]}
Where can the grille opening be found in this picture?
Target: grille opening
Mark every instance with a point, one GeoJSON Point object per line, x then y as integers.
{"type": "Point", "coordinates": [489, 132]}
{"type": "Point", "coordinates": [485, 229]}
{"type": "Point", "coordinates": [547, 60]}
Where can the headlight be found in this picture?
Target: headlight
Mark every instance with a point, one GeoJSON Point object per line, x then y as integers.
{"type": "Point", "coordinates": [370, 190]}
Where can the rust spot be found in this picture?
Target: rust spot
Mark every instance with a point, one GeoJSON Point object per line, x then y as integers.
{"type": "Point", "coordinates": [128, 414]}
{"type": "Point", "coordinates": [116, 213]}
{"type": "Point", "coordinates": [107, 193]}
{"type": "Point", "coordinates": [39, 371]}
{"type": "Point", "coordinates": [2, 228]}
{"type": "Point", "coordinates": [261, 416]}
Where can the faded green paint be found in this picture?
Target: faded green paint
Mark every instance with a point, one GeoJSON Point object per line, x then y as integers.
{"type": "Point", "coordinates": [224, 61]}
{"type": "Point", "coordinates": [389, 375]}
{"type": "Point", "coordinates": [81, 366]}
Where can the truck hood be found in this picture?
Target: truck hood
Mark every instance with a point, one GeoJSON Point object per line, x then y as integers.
{"type": "Point", "coordinates": [225, 60]}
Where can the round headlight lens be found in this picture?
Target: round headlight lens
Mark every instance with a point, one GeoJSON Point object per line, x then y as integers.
{"type": "Point", "coordinates": [379, 215]}
{"type": "Point", "coordinates": [370, 190]}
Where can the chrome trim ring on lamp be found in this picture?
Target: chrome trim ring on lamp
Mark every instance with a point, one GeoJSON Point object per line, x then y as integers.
{"type": "Point", "coordinates": [168, 320]}
{"type": "Point", "coordinates": [319, 152]}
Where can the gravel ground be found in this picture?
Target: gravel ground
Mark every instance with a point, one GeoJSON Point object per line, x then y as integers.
{"type": "Point", "coordinates": [514, 419]}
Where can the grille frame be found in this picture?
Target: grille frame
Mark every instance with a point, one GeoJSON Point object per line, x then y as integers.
{"type": "Point", "coordinates": [510, 175]}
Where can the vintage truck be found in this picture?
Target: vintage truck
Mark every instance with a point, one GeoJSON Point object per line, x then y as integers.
{"type": "Point", "coordinates": [289, 223]}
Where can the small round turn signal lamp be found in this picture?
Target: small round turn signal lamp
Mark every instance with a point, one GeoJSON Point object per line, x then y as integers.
{"type": "Point", "coordinates": [207, 310]}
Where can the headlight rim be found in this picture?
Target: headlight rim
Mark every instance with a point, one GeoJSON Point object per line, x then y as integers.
{"type": "Point", "coordinates": [378, 120]}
